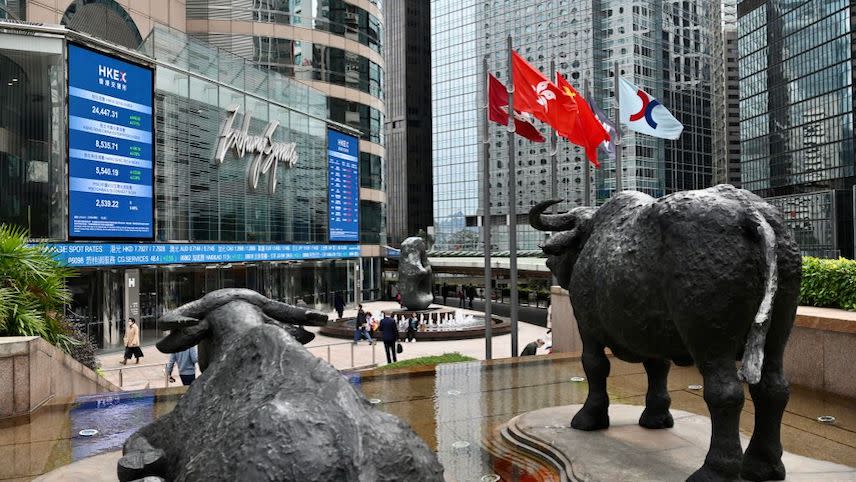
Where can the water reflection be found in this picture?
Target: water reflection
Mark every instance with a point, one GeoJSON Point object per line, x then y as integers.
{"type": "Point", "coordinates": [459, 410]}
{"type": "Point", "coordinates": [114, 417]}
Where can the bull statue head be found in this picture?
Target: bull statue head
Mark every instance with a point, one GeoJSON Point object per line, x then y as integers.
{"type": "Point", "coordinates": [218, 319]}
{"type": "Point", "coordinates": [572, 230]}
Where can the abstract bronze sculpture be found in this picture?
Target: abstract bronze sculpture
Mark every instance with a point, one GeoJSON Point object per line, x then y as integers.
{"type": "Point", "coordinates": [265, 408]}
{"type": "Point", "coordinates": [414, 275]}
{"type": "Point", "coordinates": [705, 277]}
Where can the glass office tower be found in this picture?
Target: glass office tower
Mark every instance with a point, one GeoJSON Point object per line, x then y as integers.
{"type": "Point", "coordinates": [664, 47]}
{"type": "Point", "coordinates": [796, 116]}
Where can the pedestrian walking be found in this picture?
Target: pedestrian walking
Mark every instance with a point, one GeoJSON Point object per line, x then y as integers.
{"type": "Point", "coordinates": [186, 361]}
{"type": "Point", "coordinates": [412, 326]}
{"type": "Point", "coordinates": [373, 323]}
{"type": "Point", "coordinates": [461, 297]}
{"type": "Point", "coordinates": [389, 333]}
{"type": "Point", "coordinates": [132, 342]}
{"type": "Point", "coordinates": [339, 304]}
{"type": "Point", "coordinates": [360, 326]}
{"type": "Point", "coordinates": [532, 348]}
{"type": "Point", "coordinates": [445, 292]}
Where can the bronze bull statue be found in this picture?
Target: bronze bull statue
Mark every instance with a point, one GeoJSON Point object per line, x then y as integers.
{"type": "Point", "coordinates": [705, 277]}
{"type": "Point", "coordinates": [265, 409]}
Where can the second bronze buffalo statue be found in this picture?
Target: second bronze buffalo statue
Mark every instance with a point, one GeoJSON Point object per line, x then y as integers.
{"type": "Point", "coordinates": [705, 277]}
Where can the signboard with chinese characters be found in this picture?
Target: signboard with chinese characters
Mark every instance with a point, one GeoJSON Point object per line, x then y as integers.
{"type": "Point", "coordinates": [81, 255]}
{"type": "Point", "coordinates": [343, 182]}
{"type": "Point", "coordinates": [110, 147]}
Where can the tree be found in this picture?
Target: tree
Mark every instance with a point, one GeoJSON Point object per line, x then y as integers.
{"type": "Point", "coordinates": [33, 291]}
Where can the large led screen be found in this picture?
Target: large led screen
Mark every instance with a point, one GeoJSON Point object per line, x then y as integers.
{"type": "Point", "coordinates": [110, 147]}
{"type": "Point", "coordinates": [343, 180]}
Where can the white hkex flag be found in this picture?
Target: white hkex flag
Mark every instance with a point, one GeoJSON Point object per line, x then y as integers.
{"type": "Point", "coordinates": [641, 112]}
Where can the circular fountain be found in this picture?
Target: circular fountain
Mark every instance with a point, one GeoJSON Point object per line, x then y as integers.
{"type": "Point", "coordinates": [435, 323]}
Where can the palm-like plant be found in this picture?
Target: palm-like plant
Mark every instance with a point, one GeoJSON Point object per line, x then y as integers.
{"type": "Point", "coordinates": [32, 290]}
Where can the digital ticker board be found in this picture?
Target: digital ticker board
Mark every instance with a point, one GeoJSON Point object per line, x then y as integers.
{"type": "Point", "coordinates": [343, 182]}
{"type": "Point", "coordinates": [110, 147]}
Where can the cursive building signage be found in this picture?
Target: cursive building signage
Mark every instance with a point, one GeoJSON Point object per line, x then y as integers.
{"type": "Point", "coordinates": [268, 154]}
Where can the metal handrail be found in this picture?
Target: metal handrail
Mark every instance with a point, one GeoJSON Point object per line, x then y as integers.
{"type": "Point", "coordinates": [352, 345]}
{"type": "Point", "coordinates": [129, 367]}
{"type": "Point", "coordinates": [330, 344]}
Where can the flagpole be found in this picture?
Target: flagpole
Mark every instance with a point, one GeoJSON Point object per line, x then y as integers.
{"type": "Point", "coordinates": [618, 186]}
{"type": "Point", "coordinates": [586, 166]}
{"type": "Point", "coordinates": [488, 325]}
{"type": "Point", "coordinates": [554, 141]}
{"type": "Point", "coordinates": [554, 161]}
{"type": "Point", "coordinates": [512, 202]}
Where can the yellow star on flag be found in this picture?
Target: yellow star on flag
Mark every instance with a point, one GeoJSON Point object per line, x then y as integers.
{"type": "Point", "coordinates": [569, 92]}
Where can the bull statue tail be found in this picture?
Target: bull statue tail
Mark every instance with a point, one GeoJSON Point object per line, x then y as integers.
{"type": "Point", "coordinates": [753, 353]}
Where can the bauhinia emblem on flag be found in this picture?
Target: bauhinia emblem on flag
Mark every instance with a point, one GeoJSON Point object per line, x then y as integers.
{"type": "Point", "coordinates": [588, 132]}
{"type": "Point", "coordinates": [534, 94]}
{"type": "Point", "coordinates": [641, 112]}
{"type": "Point", "coordinates": [498, 111]}
{"type": "Point", "coordinates": [544, 94]}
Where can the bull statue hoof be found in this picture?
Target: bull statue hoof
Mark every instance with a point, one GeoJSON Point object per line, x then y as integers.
{"type": "Point", "coordinates": [709, 276]}
{"type": "Point", "coordinates": [414, 275]}
{"type": "Point", "coordinates": [265, 408]}
{"type": "Point", "coordinates": [656, 419]}
{"type": "Point", "coordinates": [591, 418]}
{"type": "Point", "coordinates": [757, 467]}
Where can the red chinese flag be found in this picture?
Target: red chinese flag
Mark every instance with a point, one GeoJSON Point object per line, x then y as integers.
{"type": "Point", "coordinates": [588, 132]}
{"type": "Point", "coordinates": [498, 111]}
{"type": "Point", "coordinates": [534, 94]}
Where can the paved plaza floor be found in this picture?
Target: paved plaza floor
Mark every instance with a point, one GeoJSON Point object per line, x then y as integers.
{"type": "Point", "coordinates": [342, 354]}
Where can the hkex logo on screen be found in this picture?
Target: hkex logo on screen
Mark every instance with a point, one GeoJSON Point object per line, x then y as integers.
{"type": "Point", "coordinates": [112, 77]}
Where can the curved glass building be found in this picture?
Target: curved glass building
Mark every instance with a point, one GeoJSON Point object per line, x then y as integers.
{"type": "Point", "coordinates": [241, 143]}
{"type": "Point", "coordinates": [334, 46]}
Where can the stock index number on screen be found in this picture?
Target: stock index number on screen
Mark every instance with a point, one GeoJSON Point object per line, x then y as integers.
{"type": "Point", "coordinates": [110, 146]}
{"type": "Point", "coordinates": [105, 112]}
{"type": "Point", "coordinates": [106, 203]}
{"type": "Point", "coordinates": [106, 171]}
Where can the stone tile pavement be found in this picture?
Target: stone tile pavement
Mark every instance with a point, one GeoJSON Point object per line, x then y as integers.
{"type": "Point", "coordinates": [340, 353]}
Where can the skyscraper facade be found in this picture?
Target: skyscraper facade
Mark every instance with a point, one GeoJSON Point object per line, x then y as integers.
{"type": "Point", "coordinates": [796, 116]}
{"type": "Point", "coordinates": [408, 120]}
{"type": "Point", "coordinates": [664, 48]}
{"type": "Point", "coordinates": [726, 123]}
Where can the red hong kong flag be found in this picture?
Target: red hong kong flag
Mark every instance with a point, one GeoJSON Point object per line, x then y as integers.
{"type": "Point", "coordinates": [498, 111]}
{"type": "Point", "coordinates": [534, 94]}
{"type": "Point", "coordinates": [588, 132]}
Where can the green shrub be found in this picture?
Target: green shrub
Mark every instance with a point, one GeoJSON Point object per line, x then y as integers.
{"type": "Point", "coordinates": [33, 291]}
{"type": "Point", "coordinates": [428, 361]}
{"type": "Point", "coordinates": [828, 283]}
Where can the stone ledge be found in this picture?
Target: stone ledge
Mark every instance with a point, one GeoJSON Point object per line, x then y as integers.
{"type": "Point", "coordinates": [35, 373]}
{"type": "Point", "coordinates": [15, 345]}
{"type": "Point", "coordinates": [826, 319]}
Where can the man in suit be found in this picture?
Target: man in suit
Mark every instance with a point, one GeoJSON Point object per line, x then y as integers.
{"type": "Point", "coordinates": [389, 333]}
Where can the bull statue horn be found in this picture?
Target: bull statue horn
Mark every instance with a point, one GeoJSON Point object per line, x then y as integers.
{"type": "Point", "coordinates": [552, 222]}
